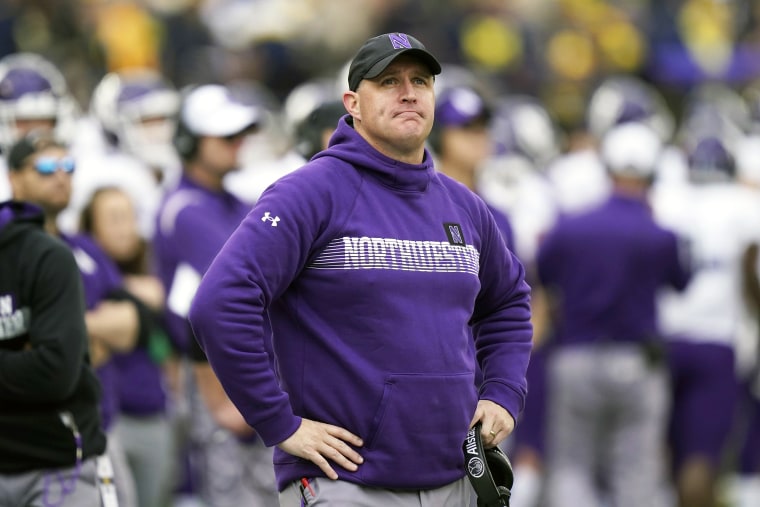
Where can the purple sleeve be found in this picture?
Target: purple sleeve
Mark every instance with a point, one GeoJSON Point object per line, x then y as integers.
{"type": "Point", "coordinates": [195, 240]}
{"type": "Point", "coordinates": [501, 323]}
{"type": "Point", "coordinates": [197, 237]}
{"type": "Point", "coordinates": [257, 263]}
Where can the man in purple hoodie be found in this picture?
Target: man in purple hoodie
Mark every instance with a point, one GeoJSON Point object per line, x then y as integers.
{"type": "Point", "coordinates": [375, 272]}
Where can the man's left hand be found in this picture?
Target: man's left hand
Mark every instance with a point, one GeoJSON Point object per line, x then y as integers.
{"type": "Point", "coordinates": [497, 422]}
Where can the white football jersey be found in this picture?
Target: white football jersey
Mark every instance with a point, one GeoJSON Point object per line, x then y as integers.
{"type": "Point", "coordinates": [511, 184]}
{"type": "Point", "coordinates": [718, 221]}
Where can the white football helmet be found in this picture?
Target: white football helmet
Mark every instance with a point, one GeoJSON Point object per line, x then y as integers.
{"type": "Point", "coordinates": [137, 111]}
{"type": "Point", "coordinates": [33, 93]}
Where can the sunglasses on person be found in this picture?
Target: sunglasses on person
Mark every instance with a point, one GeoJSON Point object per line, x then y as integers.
{"type": "Point", "coordinates": [49, 165]}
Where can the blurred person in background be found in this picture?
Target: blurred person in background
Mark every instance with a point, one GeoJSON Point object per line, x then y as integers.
{"type": "Point", "coordinates": [720, 221]}
{"type": "Point", "coordinates": [266, 154]}
{"type": "Point", "coordinates": [125, 140]}
{"type": "Point", "coordinates": [745, 485]}
{"type": "Point", "coordinates": [461, 142]}
{"type": "Point", "coordinates": [313, 133]}
{"type": "Point", "coordinates": [195, 219]}
{"type": "Point", "coordinates": [51, 437]}
{"type": "Point", "coordinates": [144, 425]}
{"type": "Point", "coordinates": [526, 140]}
{"type": "Point", "coordinates": [579, 178]}
{"type": "Point", "coordinates": [41, 172]}
{"type": "Point", "coordinates": [608, 389]}
{"type": "Point", "coordinates": [33, 95]}
{"type": "Point", "coordinates": [514, 180]}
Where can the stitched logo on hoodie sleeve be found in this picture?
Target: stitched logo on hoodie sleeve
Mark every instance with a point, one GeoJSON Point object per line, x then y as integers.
{"type": "Point", "coordinates": [271, 219]}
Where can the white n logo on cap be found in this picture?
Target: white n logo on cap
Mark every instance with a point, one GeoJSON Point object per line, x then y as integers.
{"type": "Point", "coordinates": [400, 41]}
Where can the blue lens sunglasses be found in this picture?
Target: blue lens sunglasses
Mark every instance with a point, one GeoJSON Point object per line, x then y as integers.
{"type": "Point", "coordinates": [49, 165]}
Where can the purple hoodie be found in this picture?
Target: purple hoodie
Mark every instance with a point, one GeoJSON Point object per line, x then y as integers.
{"type": "Point", "coordinates": [192, 225]}
{"type": "Point", "coordinates": [608, 265]}
{"type": "Point", "coordinates": [372, 272]}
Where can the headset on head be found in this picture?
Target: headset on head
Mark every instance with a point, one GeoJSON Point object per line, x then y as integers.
{"type": "Point", "coordinates": [184, 140]}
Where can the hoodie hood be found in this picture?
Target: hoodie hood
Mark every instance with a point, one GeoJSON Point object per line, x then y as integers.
{"type": "Point", "coordinates": [348, 145]}
{"type": "Point", "coordinates": [16, 212]}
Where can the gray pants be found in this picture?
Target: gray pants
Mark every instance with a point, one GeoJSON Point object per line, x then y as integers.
{"type": "Point", "coordinates": [122, 475]}
{"type": "Point", "coordinates": [606, 427]}
{"type": "Point", "coordinates": [232, 473]}
{"type": "Point", "coordinates": [65, 487]}
{"type": "Point", "coordinates": [149, 446]}
{"type": "Point", "coordinates": [331, 493]}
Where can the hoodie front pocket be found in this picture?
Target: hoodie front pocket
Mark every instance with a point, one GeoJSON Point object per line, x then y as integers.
{"type": "Point", "coordinates": [418, 429]}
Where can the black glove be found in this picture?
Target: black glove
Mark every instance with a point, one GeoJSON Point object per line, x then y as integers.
{"type": "Point", "coordinates": [488, 470]}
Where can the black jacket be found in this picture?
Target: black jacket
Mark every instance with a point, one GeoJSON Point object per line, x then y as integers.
{"type": "Point", "coordinates": [45, 378]}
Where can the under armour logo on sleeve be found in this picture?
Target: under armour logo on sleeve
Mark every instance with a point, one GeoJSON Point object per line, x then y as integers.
{"type": "Point", "coordinates": [268, 217]}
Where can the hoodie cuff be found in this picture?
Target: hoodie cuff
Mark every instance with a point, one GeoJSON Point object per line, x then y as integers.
{"type": "Point", "coordinates": [274, 431]}
{"type": "Point", "coordinates": [504, 396]}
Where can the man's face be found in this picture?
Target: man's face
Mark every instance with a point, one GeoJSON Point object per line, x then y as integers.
{"type": "Point", "coordinates": [49, 191]}
{"type": "Point", "coordinates": [26, 125]}
{"type": "Point", "coordinates": [220, 155]}
{"type": "Point", "coordinates": [114, 224]}
{"type": "Point", "coordinates": [394, 111]}
{"type": "Point", "coordinates": [466, 146]}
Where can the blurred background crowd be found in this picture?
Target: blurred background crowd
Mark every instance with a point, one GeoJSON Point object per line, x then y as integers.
{"type": "Point", "coordinates": [556, 50]}
{"type": "Point", "coordinates": [551, 78]}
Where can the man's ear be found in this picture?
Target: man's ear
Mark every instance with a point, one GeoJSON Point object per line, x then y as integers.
{"type": "Point", "coordinates": [351, 103]}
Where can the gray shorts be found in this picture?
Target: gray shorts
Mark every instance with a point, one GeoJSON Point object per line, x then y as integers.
{"type": "Point", "coordinates": [323, 492]}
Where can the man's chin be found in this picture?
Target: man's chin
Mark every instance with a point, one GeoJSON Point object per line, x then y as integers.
{"type": "Point", "coordinates": [55, 208]}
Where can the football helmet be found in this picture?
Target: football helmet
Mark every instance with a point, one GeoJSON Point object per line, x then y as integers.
{"type": "Point", "coordinates": [33, 93]}
{"type": "Point", "coordinates": [305, 98]}
{"type": "Point", "coordinates": [521, 125]}
{"type": "Point", "coordinates": [623, 98]}
{"type": "Point", "coordinates": [710, 159]}
{"type": "Point", "coordinates": [137, 111]}
{"type": "Point", "coordinates": [714, 111]}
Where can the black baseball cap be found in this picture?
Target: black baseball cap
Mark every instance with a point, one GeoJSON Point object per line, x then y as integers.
{"type": "Point", "coordinates": [378, 52]}
{"type": "Point", "coordinates": [29, 144]}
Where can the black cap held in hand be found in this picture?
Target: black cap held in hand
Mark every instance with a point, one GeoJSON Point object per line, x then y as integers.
{"type": "Point", "coordinates": [378, 52]}
{"type": "Point", "coordinates": [489, 470]}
